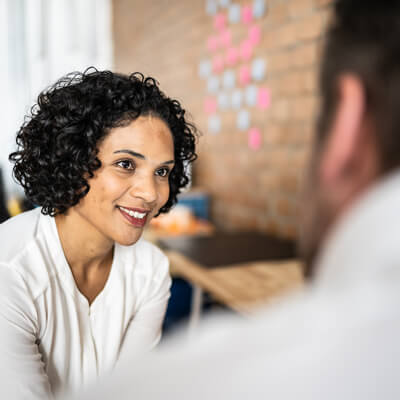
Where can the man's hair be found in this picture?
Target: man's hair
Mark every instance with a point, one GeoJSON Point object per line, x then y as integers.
{"type": "Point", "coordinates": [364, 39]}
{"type": "Point", "coordinates": [58, 143]}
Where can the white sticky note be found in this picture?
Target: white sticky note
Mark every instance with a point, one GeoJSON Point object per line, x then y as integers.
{"type": "Point", "coordinates": [213, 84]}
{"type": "Point", "coordinates": [250, 95]}
{"type": "Point", "coordinates": [258, 68]}
{"type": "Point", "coordinates": [223, 101]}
{"type": "Point", "coordinates": [243, 120]}
{"type": "Point", "coordinates": [259, 8]}
{"type": "Point", "coordinates": [236, 99]}
{"type": "Point", "coordinates": [211, 7]}
{"type": "Point", "coordinates": [214, 124]}
{"type": "Point", "coordinates": [234, 13]}
{"type": "Point", "coordinates": [229, 79]}
{"type": "Point", "coordinates": [224, 3]}
{"type": "Point", "coordinates": [205, 68]}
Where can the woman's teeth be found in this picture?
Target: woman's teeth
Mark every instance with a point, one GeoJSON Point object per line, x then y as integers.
{"type": "Point", "coordinates": [134, 214]}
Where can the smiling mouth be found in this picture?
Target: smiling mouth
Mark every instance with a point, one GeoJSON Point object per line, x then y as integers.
{"type": "Point", "coordinates": [135, 217]}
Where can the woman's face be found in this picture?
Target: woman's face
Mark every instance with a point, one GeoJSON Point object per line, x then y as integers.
{"type": "Point", "coordinates": [132, 183]}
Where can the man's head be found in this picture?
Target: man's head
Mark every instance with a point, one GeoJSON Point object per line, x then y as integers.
{"type": "Point", "coordinates": [358, 130]}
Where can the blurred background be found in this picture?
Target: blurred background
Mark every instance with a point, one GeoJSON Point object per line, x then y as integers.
{"type": "Point", "coordinates": [246, 71]}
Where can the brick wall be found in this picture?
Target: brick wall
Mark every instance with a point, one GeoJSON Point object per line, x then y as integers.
{"type": "Point", "coordinates": [249, 188]}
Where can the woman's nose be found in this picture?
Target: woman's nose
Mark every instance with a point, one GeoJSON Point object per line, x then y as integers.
{"type": "Point", "coordinates": [145, 188]}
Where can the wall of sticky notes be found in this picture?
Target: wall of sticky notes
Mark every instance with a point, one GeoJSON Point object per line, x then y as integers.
{"type": "Point", "coordinates": [245, 70]}
{"type": "Point", "coordinates": [233, 71]}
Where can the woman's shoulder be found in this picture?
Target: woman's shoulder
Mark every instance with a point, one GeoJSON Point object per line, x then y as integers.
{"type": "Point", "coordinates": [17, 232]}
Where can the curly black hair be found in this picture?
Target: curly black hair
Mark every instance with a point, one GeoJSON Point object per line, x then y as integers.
{"type": "Point", "coordinates": [57, 144]}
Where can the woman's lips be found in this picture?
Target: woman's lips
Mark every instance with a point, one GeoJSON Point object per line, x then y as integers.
{"type": "Point", "coordinates": [134, 216]}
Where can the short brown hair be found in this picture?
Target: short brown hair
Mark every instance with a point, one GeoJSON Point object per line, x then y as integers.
{"type": "Point", "coordinates": [363, 39]}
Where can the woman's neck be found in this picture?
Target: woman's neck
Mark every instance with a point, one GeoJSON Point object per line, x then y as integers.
{"type": "Point", "coordinates": [84, 246]}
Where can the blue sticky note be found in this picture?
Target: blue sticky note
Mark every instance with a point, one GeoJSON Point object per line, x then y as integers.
{"type": "Point", "coordinates": [223, 101]}
{"type": "Point", "coordinates": [229, 79]}
{"type": "Point", "coordinates": [250, 95]}
{"type": "Point", "coordinates": [211, 7]}
{"type": "Point", "coordinates": [259, 8]}
{"type": "Point", "coordinates": [236, 99]}
{"type": "Point", "coordinates": [243, 120]}
{"type": "Point", "coordinates": [258, 67]}
{"type": "Point", "coordinates": [213, 84]}
{"type": "Point", "coordinates": [234, 13]}
{"type": "Point", "coordinates": [204, 69]}
{"type": "Point", "coordinates": [214, 124]}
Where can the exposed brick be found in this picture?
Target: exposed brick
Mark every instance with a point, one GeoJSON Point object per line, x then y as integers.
{"type": "Point", "coordinates": [303, 108]}
{"type": "Point", "coordinates": [280, 109]}
{"type": "Point", "coordinates": [249, 189]}
{"type": "Point", "coordinates": [300, 8]}
{"type": "Point", "coordinates": [322, 3]}
{"type": "Point", "coordinates": [281, 61]}
{"type": "Point", "coordinates": [311, 27]}
{"type": "Point", "coordinates": [305, 55]}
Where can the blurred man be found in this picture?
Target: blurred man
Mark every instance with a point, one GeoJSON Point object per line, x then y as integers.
{"type": "Point", "coordinates": [339, 338]}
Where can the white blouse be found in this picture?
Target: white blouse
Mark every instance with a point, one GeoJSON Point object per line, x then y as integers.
{"type": "Point", "coordinates": [50, 338]}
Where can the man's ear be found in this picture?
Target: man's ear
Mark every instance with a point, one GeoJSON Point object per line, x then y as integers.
{"type": "Point", "coordinates": [345, 133]}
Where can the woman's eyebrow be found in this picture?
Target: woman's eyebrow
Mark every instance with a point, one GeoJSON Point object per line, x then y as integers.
{"type": "Point", "coordinates": [138, 155]}
{"type": "Point", "coordinates": [132, 153]}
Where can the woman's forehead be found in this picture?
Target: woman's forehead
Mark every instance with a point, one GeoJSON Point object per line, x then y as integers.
{"type": "Point", "coordinates": [147, 134]}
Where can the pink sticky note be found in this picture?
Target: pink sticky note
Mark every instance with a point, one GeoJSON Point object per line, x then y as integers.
{"type": "Point", "coordinates": [254, 35]}
{"type": "Point", "coordinates": [212, 43]}
{"type": "Point", "coordinates": [210, 105]}
{"type": "Point", "coordinates": [254, 138]}
{"type": "Point", "coordinates": [225, 38]}
{"type": "Point", "coordinates": [231, 56]}
{"type": "Point", "coordinates": [218, 64]}
{"type": "Point", "coordinates": [246, 50]}
{"type": "Point", "coordinates": [263, 98]}
{"type": "Point", "coordinates": [247, 14]}
{"type": "Point", "coordinates": [220, 21]}
{"type": "Point", "coordinates": [244, 75]}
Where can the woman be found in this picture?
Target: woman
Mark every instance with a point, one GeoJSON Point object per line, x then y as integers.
{"type": "Point", "coordinates": [101, 155]}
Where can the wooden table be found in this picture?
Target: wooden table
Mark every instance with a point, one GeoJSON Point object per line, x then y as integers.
{"type": "Point", "coordinates": [242, 270]}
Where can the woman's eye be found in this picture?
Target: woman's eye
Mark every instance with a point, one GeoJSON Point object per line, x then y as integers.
{"type": "Point", "coordinates": [163, 172]}
{"type": "Point", "coordinates": [126, 164]}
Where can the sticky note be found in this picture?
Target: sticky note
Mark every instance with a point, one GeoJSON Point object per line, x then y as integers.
{"type": "Point", "coordinates": [213, 84]}
{"type": "Point", "coordinates": [223, 101]}
{"type": "Point", "coordinates": [254, 35]}
{"type": "Point", "coordinates": [258, 67]}
{"type": "Point", "coordinates": [211, 7]}
{"type": "Point", "coordinates": [204, 69]}
{"type": "Point", "coordinates": [220, 21]}
{"type": "Point", "coordinates": [234, 13]}
{"type": "Point", "coordinates": [244, 75]}
{"type": "Point", "coordinates": [259, 8]}
{"type": "Point", "coordinates": [250, 95]}
{"type": "Point", "coordinates": [212, 43]}
{"type": "Point", "coordinates": [246, 50]}
{"type": "Point", "coordinates": [247, 14]}
{"type": "Point", "coordinates": [254, 138]}
{"type": "Point", "coordinates": [231, 56]}
{"type": "Point", "coordinates": [236, 99]}
{"type": "Point", "coordinates": [214, 123]}
{"type": "Point", "coordinates": [225, 38]}
{"type": "Point", "coordinates": [263, 98]}
{"type": "Point", "coordinates": [224, 3]}
{"type": "Point", "coordinates": [210, 105]}
{"type": "Point", "coordinates": [229, 79]}
{"type": "Point", "coordinates": [218, 64]}
{"type": "Point", "coordinates": [243, 120]}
